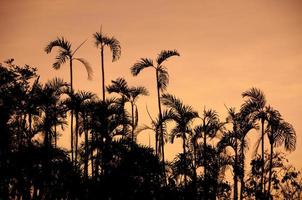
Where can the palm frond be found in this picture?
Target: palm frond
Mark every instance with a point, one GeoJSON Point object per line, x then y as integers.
{"type": "Point", "coordinates": [98, 38]}
{"type": "Point", "coordinates": [136, 91]}
{"type": "Point", "coordinates": [87, 67]}
{"type": "Point", "coordinates": [171, 101]}
{"type": "Point", "coordinates": [115, 47]}
{"type": "Point", "coordinates": [140, 65]}
{"type": "Point", "coordinates": [163, 78]}
{"type": "Point", "coordinates": [119, 86]}
{"type": "Point", "coordinates": [165, 54]}
{"type": "Point", "coordinates": [60, 59]}
{"type": "Point", "coordinates": [255, 100]}
{"type": "Point", "coordinates": [286, 134]}
{"type": "Point", "coordinates": [60, 42]}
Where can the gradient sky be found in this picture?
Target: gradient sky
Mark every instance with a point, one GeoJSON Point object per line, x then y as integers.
{"type": "Point", "coordinates": [226, 48]}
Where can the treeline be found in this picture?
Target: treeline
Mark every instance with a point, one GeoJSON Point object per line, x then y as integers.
{"type": "Point", "coordinates": [106, 162]}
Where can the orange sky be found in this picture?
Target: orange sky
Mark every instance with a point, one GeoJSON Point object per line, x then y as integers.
{"type": "Point", "coordinates": [226, 47]}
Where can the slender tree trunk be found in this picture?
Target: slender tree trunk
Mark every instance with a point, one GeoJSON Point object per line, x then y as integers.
{"type": "Point", "coordinates": [71, 116]}
{"type": "Point", "coordinates": [242, 184]}
{"type": "Point", "coordinates": [76, 135]}
{"type": "Point", "coordinates": [103, 72]}
{"type": "Point", "coordinates": [270, 168]}
{"type": "Point", "coordinates": [124, 117]}
{"type": "Point", "coordinates": [55, 131]}
{"type": "Point", "coordinates": [161, 146]}
{"type": "Point", "coordinates": [156, 143]}
{"type": "Point", "coordinates": [86, 147]}
{"type": "Point", "coordinates": [205, 187]}
{"type": "Point", "coordinates": [262, 188]}
{"type": "Point", "coordinates": [185, 165]}
{"type": "Point", "coordinates": [185, 160]}
{"type": "Point", "coordinates": [194, 170]}
{"type": "Point", "coordinates": [235, 169]}
{"type": "Point", "coordinates": [91, 154]}
{"type": "Point", "coordinates": [71, 135]}
{"type": "Point", "coordinates": [132, 116]}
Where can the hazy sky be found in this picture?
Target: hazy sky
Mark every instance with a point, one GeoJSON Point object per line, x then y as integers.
{"type": "Point", "coordinates": [226, 47]}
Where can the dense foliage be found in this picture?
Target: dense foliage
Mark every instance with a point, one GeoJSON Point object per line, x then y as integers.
{"type": "Point", "coordinates": [106, 162]}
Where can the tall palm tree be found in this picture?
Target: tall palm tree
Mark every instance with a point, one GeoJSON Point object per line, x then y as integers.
{"type": "Point", "coordinates": [101, 41]}
{"type": "Point", "coordinates": [86, 110]}
{"type": "Point", "coordinates": [279, 133]}
{"type": "Point", "coordinates": [245, 126]}
{"type": "Point", "coordinates": [183, 116]}
{"type": "Point", "coordinates": [107, 122]}
{"type": "Point", "coordinates": [66, 54]}
{"type": "Point", "coordinates": [120, 86]}
{"type": "Point", "coordinates": [255, 107]}
{"type": "Point", "coordinates": [209, 127]}
{"type": "Point", "coordinates": [236, 139]}
{"type": "Point", "coordinates": [162, 80]}
{"type": "Point", "coordinates": [130, 94]}
{"type": "Point", "coordinates": [75, 102]}
{"type": "Point", "coordinates": [50, 102]}
{"type": "Point", "coordinates": [154, 127]}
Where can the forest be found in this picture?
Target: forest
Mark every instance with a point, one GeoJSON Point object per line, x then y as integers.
{"type": "Point", "coordinates": [104, 159]}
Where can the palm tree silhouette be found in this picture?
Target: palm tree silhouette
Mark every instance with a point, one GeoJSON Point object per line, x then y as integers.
{"type": "Point", "coordinates": [107, 122]}
{"type": "Point", "coordinates": [85, 113]}
{"type": "Point", "coordinates": [255, 108]}
{"type": "Point", "coordinates": [52, 116]}
{"type": "Point", "coordinates": [120, 86]}
{"type": "Point", "coordinates": [279, 132]}
{"type": "Point", "coordinates": [182, 115]}
{"type": "Point", "coordinates": [75, 103]}
{"type": "Point", "coordinates": [67, 54]}
{"type": "Point", "coordinates": [208, 128]}
{"type": "Point", "coordinates": [162, 80]}
{"type": "Point", "coordinates": [128, 94]}
{"type": "Point", "coordinates": [101, 41]}
{"type": "Point", "coordinates": [236, 139]}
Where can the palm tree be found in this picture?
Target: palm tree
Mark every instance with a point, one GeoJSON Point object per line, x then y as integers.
{"type": "Point", "coordinates": [67, 54]}
{"type": "Point", "coordinates": [86, 110]}
{"type": "Point", "coordinates": [135, 92]}
{"type": "Point", "coordinates": [162, 80]}
{"type": "Point", "coordinates": [279, 132]}
{"type": "Point", "coordinates": [208, 128]}
{"type": "Point", "coordinates": [107, 122]}
{"type": "Point", "coordinates": [255, 107]}
{"type": "Point", "coordinates": [245, 126]}
{"type": "Point", "coordinates": [128, 94]}
{"type": "Point", "coordinates": [53, 113]}
{"type": "Point", "coordinates": [120, 86]}
{"type": "Point", "coordinates": [154, 127]}
{"type": "Point", "coordinates": [183, 116]}
{"type": "Point", "coordinates": [75, 103]}
{"type": "Point", "coordinates": [101, 40]}
{"type": "Point", "coordinates": [236, 139]}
